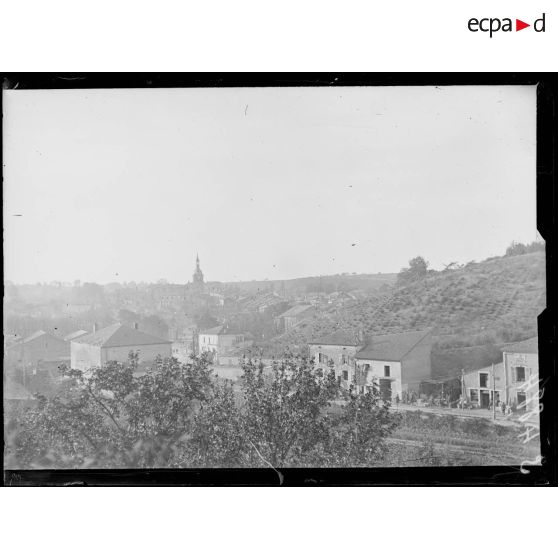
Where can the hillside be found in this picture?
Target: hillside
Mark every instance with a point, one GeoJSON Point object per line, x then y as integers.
{"type": "Point", "coordinates": [326, 284]}
{"type": "Point", "coordinates": [472, 311]}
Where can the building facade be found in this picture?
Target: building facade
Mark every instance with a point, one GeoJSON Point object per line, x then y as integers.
{"type": "Point", "coordinates": [521, 366]}
{"type": "Point", "coordinates": [481, 387]}
{"type": "Point", "coordinates": [292, 317]}
{"type": "Point", "coordinates": [114, 343]}
{"type": "Point", "coordinates": [219, 340]}
{"type": "Point", "coordinates": [394, 362]}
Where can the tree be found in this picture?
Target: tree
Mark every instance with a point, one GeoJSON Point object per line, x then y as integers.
{"type": "Point", "coordinates": [418, 269]}
{"type": "Point", "coordinates": [181, 415]}
{"type": "Point", "coordinates": [114, 416]}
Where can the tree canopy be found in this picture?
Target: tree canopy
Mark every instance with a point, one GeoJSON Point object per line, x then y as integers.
{"type": "Point", "coordinates": [418, 269]}
{"type": "Point", "coordinates": [181, 415]}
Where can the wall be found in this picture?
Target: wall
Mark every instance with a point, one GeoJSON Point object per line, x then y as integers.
{"type": "Point", "coordinates": [471, 380]}
{"type": "Point", "coordinates": [417, 365]}
{"type": "Point", "coordinates": [84, 357]}
{"type": "Point", "coordinates": [335, 352]}
{"type": "Point", "coordinates": [147, 353]}
{"type": "Point", "coordinates": [208, 343]}
{"type": "Point", "coordinates": [531, 385]}
{"type": "Point", "coordinates": [377, 371]}
{"type": "Point", "coordinates": [46, 347]}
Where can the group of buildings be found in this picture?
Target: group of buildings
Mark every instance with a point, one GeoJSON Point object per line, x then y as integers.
{"type": "Point", "coordinates": [397, 363]}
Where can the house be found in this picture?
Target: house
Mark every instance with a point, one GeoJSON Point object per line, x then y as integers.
{"type": "Point", "coordinates": [16, 395]}
{"type": "Point", "coordinates": [181, 351]}
{"type": "Point", "coordinates": [521, 374]}
{"type": "Point", "coordinates": [75, 335]}
{"type": "Point", "coordinates": [37, 348]}
{"type": "Point", "coordinates": [220, 339]}
{"type": "Point", "coordinates": [478, 386]}
{"type": "Point", "coordinates": [397, 362]}
{"type": "Point", "coordinates": [114, 343]}
{"type": "Point", "coordinates": [337, 350]}
{"type": "Point", "coordinates": [292, 317]}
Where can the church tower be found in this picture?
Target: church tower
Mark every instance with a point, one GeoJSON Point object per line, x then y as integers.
{"type": "Point", "coordinates": [197, 278]}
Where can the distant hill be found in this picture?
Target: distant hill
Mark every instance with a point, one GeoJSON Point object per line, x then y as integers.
{"type": "Point", "coordinates": [471, 310]}
{"type": "Point", "coordinates": [325, 284]}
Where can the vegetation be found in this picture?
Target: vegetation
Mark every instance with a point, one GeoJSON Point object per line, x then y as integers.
{"type": "Point", "coordinates": [518, 249]}
{"type": "Point", "coordinates": [471, 310]}
{"type": "Point", "coordinates": [181, 415]}
{"type": "Point", "coordinates": [417, 270]}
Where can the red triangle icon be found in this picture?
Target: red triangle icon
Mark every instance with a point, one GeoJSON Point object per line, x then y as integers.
{"type": "Point", "coordinates": [519, 25]}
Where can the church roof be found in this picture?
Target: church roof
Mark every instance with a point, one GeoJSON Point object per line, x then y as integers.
{"type": "Point", "coordinates": [120, 335]}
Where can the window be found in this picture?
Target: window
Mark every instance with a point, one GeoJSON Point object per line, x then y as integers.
{"type": "Point", "coordinates": [387, 371]}
{"type": "Point", "coordinates": [366, 368]}
{"type": "Point", "coordinates": [520, 373]}
{"type": "Point", "coordinates": [345, 375]}
{"type": "Point", "coordinates": [474, 395]}
{"type": "Point", "coordinates": [344, 359]}
{"type": "Point", "coordinates": [322, 358]}
{"type": "Point", "coordinates": [483, 379]}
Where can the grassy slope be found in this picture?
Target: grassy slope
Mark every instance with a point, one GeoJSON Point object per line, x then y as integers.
{"type": "Point", "coordinates": [472, 311]}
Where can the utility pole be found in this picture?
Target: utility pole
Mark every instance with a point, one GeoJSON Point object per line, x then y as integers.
{"type": "Point", "coordinates": [493, 394]}
{"type": "Point", "coordinates": [462, 388]}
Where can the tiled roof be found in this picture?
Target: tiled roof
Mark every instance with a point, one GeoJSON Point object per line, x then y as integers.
{"type": "Point", "coordinates": [222, 330]}
{"type": "Point", "coordinates": [341, 337]}
{"type": "Point", "coordinates": [120, 335]}
{"type": "Point", "coordinates": [393, 346]}
{"type": "Point", "coordinates": [528, 346]}
{"type": "Point", "coordinates": [296, 310]}
{"type": "Point", "coordinates": [33, 336]}
{"type": "Point", "coordinates": [498, 368]}
{"type": "Point", "coordinates": [75, 334]}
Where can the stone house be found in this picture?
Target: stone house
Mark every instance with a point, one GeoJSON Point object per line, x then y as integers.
{"type": "Point", "coordinates": [114, 343]}
{"type": "Point", "coordinates": [521, 374]}
{"type": "Point", "coordinates": [396, 362]}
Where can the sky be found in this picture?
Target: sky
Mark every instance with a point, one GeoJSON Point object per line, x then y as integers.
{"type": "Point", "coordinates": [263, 183]}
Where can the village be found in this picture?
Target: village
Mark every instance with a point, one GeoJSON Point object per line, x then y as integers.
{"type": "Point", "coordinates": [230, 327]}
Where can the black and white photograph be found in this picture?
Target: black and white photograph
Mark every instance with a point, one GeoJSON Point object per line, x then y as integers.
{"type": "Point", "coordinates": [283, 277]}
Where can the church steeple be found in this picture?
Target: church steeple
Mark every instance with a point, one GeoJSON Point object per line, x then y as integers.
{"type": "Point", "coordinates": [198, 274]}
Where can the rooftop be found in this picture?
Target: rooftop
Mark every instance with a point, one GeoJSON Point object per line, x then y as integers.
{"type": "Point", "coordinates": [296, 310]}
{"type": "Point", "coordinates": [221, 330]}
{"type": "Point", "coordinates": [393, 346]}
{"type": "Point", "coordinates": [528, 346]}
{"type": "Point", "coordinates": [340, 337]}
{"type": "Point", "coordinates": [75, 334]}
{"type": "Point", "coordinates": [120, 335]}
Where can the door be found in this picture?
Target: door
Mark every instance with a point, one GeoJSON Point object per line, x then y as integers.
{"type": "Point", "coordinates": [385, 390]}
{"type": "Point", "coordinates": [485, 399]}
{"type": "Point", "coordinates": [521, 399]}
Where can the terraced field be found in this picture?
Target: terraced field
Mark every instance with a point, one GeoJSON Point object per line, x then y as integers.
{"type": "Point", "coordinates": [472, 310]}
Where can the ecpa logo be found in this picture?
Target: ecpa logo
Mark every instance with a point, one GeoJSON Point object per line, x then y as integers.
{"type": "Point", "coordinates": [494, 24]}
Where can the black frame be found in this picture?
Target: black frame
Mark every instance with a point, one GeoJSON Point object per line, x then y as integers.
{"type": "Point", "coordinates": [545, 473]}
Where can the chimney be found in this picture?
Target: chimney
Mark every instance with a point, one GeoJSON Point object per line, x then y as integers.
{"type": "Point", "coordinates": [95, 327]}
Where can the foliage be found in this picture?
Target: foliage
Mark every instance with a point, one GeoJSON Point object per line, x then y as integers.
{"type": "Point", "coordinates": [518, 249]}
{"type": "Point", "coordinates": [181, 415]}
{"type": "Point", "coordinates": [418, 269]}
